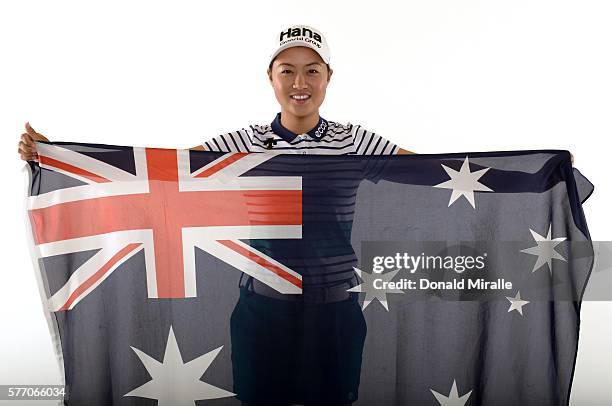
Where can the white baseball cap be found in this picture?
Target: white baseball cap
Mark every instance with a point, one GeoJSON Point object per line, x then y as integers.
{"type": "Point", "coordinates": [301, 36]}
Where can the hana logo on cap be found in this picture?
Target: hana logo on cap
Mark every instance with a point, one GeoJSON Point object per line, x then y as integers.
{"type": "Point", "coordinates": [302, 36]}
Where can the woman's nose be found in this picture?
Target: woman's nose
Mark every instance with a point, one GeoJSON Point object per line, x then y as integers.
{"type": "Point", "coordinates": [300, 82]}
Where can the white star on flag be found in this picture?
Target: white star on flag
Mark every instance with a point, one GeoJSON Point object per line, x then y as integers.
{"type": "Point", "coordinates": [453, 398]}
{"type": "Point", "coordinates": [175, 382]}
{"type": "Point", "coordinates": [464, 182]}
{"type": "Point", "coordinates": [516, 303]}
{"type": "Point", "coordinates": [370, 291]}
{"type": "Point", "coordinates": [545, 249]}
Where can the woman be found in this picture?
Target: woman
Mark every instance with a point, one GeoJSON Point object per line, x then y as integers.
{"type": "Point", "coordinates": [303, 349]}
{"type": "Point", "coordinates": [280, 344]}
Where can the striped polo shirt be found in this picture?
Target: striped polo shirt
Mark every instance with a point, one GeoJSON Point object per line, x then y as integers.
{"type": "Point", "coordinates": [327, 137]}
{"type": "Point", "coordinates": [324, 255]}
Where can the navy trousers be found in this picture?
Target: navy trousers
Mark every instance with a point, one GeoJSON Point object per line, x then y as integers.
{"type": "Point", "coordinates": [291, 352]}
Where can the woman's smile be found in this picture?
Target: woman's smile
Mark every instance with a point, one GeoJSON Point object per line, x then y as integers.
{"type": "Point", "coordinates": [301, 98]}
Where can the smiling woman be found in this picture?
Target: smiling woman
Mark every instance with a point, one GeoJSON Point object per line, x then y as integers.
{"type": "Point", "coordinates": [272, 336]}
{"type": "Point", "coordinates": [299, 72]}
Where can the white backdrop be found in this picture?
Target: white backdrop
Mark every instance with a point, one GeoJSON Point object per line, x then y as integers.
{"type": "Point", "coordinates": [433, 76]}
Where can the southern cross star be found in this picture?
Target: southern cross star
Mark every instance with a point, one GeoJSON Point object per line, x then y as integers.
{"type": "Point", "coordinates": [516, 303]}
{"type": "Point", "coordinates": [370, 291]}
{"type": "Point", "coordinates": [544, 250]}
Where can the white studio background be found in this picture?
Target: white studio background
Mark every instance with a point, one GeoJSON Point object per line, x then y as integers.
{"type": "Point", "coordinates": [433, 76]}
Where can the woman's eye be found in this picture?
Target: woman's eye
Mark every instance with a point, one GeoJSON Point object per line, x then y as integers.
{"type": "Point", "coordinates": [286, 70]}
{"type": "Point", "coordinates": [314, 71]}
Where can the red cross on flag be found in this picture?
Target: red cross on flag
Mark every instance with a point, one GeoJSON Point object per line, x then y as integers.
{"type": "Point", "coordinates": [165, 210]}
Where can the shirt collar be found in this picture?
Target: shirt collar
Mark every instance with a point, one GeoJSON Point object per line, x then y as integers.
{"type": "Point", "coordinates": [317, 132]}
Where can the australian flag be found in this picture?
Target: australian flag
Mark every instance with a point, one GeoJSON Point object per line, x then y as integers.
{"type": "Point", "coordinates": [182, 277]}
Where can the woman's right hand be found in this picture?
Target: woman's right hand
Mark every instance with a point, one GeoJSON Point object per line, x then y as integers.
{"type": "Point", "coordinates": [27, 147]}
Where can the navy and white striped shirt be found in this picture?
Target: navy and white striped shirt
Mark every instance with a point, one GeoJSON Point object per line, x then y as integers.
{"type": "Point", "coordinates": [324, 256]}
{"type": "Point", "coordinates": [327, 137]}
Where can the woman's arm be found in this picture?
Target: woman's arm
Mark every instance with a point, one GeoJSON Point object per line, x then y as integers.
{"type": "Point", "coordinates": [403, 151]}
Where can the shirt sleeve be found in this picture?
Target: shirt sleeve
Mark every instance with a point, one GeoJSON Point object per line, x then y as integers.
{"type": "Point", "coordinates": [235, 141]}
{"type": "Point", "coordinates": [370, 143]}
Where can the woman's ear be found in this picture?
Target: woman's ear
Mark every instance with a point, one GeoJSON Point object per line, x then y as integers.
{"type": "Point", "coordinates": [269, 75]}
{"type": "Point", "coordinates": [329, 73]}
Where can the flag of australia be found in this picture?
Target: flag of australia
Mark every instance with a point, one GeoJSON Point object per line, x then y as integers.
{"type": "Point", "coordinates": [183, 277]}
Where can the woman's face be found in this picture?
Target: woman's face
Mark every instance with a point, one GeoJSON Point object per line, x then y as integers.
{"type": "Point", "coordinates": [299, 71]}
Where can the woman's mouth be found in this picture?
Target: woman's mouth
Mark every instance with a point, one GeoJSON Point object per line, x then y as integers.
{"type": "Point", "coordinates": [300, 98]}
